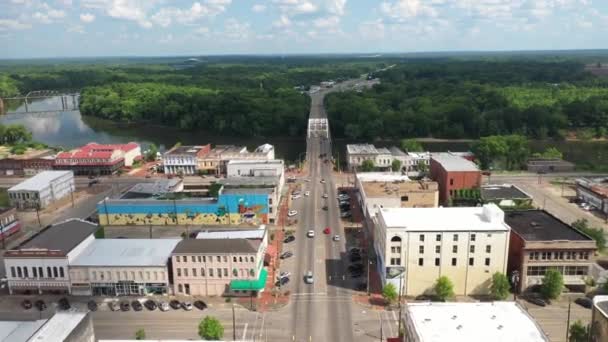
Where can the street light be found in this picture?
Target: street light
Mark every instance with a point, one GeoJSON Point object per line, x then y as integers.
{"type": "Point", "coordinates": [515, 282]}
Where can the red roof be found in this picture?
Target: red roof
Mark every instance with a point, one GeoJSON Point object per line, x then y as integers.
{"type": "Point", "coordinates": [124, 147]}
{"type": "Point", "coordinates": [96, 151]}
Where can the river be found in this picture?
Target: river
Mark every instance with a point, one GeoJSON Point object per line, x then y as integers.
{"type": "Point", "coordinates": [71, 129]}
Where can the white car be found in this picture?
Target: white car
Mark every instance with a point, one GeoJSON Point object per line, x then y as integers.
{"type": "Point", "coordinates": [308, 278]}
{"type": "Point", "coordinates": [310, 233]}
{"type": "Point", "coordinates": [163, 306]}
{"type": "Point", "coordinates": [187, 306]}
{"type": "Point", "coordinates": [307, 193]}
{"type": "Point", "coordinates": [295, 197]}
{"type": "Point", "coordinates": [323, 181]}
{"type": "Point", "coordinates": [336, 237]}
{"type": "Point", "coordinates": [325, 196]}
{"type": "Point", "coordinates": [283, 274]}
{"type": "Point", "coordinates": [292, 213]}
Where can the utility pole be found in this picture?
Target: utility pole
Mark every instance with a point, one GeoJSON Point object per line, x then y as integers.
{"type": "Point", "coordinates": [381, 330]}
{"type": "Point", "coordinates": [568, 322]}
{"type": "Point", "coordinates": [38, 214]}
{"type": "Point", "coordinates": [400, 306]}
{"type": "Point", "coordinates": [72, 195]}
{"type": "Point", "coordinates": [233, 324]}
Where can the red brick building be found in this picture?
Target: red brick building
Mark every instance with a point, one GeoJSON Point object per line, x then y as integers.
{"type": "Point", "coordinates": [29, 163]}
{"type": "Point", "coordinates": [453, 172]}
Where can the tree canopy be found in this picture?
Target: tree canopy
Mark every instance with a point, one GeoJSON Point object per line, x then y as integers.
{"type": "Point", "coordinates": [367, 165]}
{"type": "Point", "coordinates": [210, 328]}
{"type": "Point", "coordinates": [389, 292]}
{"type": "Point", "coordinates": [500, 286]}
{"type": "Point", "coordinates": [596, 234]}
{"type": "Point", "coordinates": [444, 288]}
{"type": "Point", "coordinates": [553, 284]}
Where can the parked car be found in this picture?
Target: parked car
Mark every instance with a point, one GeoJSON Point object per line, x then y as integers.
{"type": "Point", "coordinates": [164, 306]}
{"type": "Point", "coordinates": [310, 233]}
{"type": "Point", "coordinates": [125, 306]}
{"type": "Point", "coordinates": [336, 238]}
{"type": "Point", "coordinates": [324, 207]}
{"type": "Point", "coordinates": [308, 278]}
{"type": "Point", "coordinates": [136, 305]}
{"type": "Point", "coordinates": [536, 300]}
{"type": "Point", "coordinates": [26, 304]}
{"type": "Point", "coordinates": [292, 213]}
{"type": "Point", "coordinates": [286, 255]}
{"type": "Point", "coordinates": [353, 250]}
{"type": "Point", "coordinates": [92, 305]}
{"type": "Point", "coordinates": [199, 304]}
{"type": "Point", "coordinates": [289, 239]}
{"type": "Point", "coordinates": [187, 306]}
{"type": "Point", "coordinates": [325, 196]}
{"type": "Point", "coordinates": [355, 258]}
{"type": "Point", "coordinates": [175, 304]}
{"type": "Point", "coordinates": [355, 267]}
{"type": "Point", "coordinates": [326, 231]}
{"type": "Point", "coordinates": [64, 304]}
{"type": "Point", "coordinates": [356, 274]}
{"type": "Point", "coordinates": [114, 306]}
{"type": "Point", "coordinates": [345, 214]}
{"type": "Point", "coordinates": [295, 197]}
{"type": "Point", "coordinates": [584, 302]}
{"type": "Point", "coordinates": [322, 180]}
{"type": "Point", "coordinates": [282, 281]}
{"type": "Point", "coordinates": [150, 305]}
{"type": "Point", "coordinates": [40, 305]}
{"type": "Point", "coordinates": [284, 274]}
{"type": "Point", "coordinates": [307, 193]}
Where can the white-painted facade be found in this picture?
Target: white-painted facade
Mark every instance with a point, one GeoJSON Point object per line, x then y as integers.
{"type": "Point", "coordinates": [42, 189]}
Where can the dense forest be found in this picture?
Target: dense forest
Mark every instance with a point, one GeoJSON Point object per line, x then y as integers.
{"type": "Point", "coordinates": [471, 99]}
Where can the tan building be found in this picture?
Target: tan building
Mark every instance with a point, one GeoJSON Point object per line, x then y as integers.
{"type": "Point", "coordinates": [540, 241]}
{"type": "Point", "coordinates": [217, 159]}
{"type": "Point", "coordinates": [222, 266]}
{"type": "Point", "coordinates": [379, 190]}
{"type": "Point", "coordinates": [599, 319]}
{"type": "Point", "coordinates": [415, 246]}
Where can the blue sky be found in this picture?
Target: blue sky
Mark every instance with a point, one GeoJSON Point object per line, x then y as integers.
{"type": "Point", "coordinates": [72, 28]}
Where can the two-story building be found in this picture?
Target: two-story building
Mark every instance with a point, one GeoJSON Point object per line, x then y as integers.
{"type": "Point", "coordinates": [453, 172]}
{"type": "Point", "coordinates": [29, 163]}
{"type": "Point", "coordinates": [184, 159]}
{"type": "Point", "coordinates": [97, 159]}
{"type": "Point", "coordinates": [9, 223]}
{"type": "Point", "coordinates": [416, 246]}
{"type": "Point", "coordinates": [593, 191]}
{"type": "Point", "coordinates": [540, 241]}
{"type": "Point", "coordinates": [226, 265]}
{"type": "Point", "coordinates": [41, 190]}
{"type": "Point", "coordinates": [41, 262]}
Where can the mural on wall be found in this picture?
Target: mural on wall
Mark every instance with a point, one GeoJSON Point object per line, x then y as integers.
{"type": "Point", "coordinates": [250, 209]}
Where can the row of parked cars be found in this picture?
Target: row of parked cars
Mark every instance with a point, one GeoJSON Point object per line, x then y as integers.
{"type": "Point", "coordinates": [152, 305]}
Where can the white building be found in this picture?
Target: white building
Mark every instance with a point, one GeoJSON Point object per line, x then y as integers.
{"type": "Point", "coordinates": [258, 168]}
{"type": "Point", "coordinates": [470, 322]}
{"type": "Point", "coordinates": [384, 158]}
{"type": "Point", "coordinates": [41, 262]}
{"type": "Point", "coordinates": [266, 151]}
{"type": "Point", "coordinates": [184, 159]}
{"type": "Point", "coordinates": [122, 267]}
{"type": "Point", "coordinates": [42, 189]}
{"type": "Point", "coordinates": [468, 245]}
{"type": "Point", "coordinates": [356, 154]}
{"type": "Point", "coordinates": [70, 326]}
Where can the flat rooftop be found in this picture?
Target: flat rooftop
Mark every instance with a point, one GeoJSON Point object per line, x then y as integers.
{"type": "Point", "coordinates": [502, 191]}
{"type": "Point", "coordinates": [381, 177]}
{"type": "Point", "coordinates": [248, 191]}
{"type": "Point", "coordinates": [19, 331]}
{"type": "Point", "coordinates": [454, 163]}
{"type": "Point", "coordinates": [473, 322]}
{"type": "Point", "coordinates": [232, 234]}
{"type": "Point", "coordinates": [39, 181]}
{"type": "Point", "coordinates": [126, 252]}
{"type": "Point", "coordinates": [249, 161]}
{"type": "Point", "coordinates": [395, 188]}
{"type": "Point", "coordinates": [61, 237]}
{"type": "Point", "coordinates": [601, 303]}
{"type": "Point", "coordinates": [361, 149]}
{"type": "Point", "coordinates": [249, 181]}
{"type": "Point", "coordinates": [194, 150]}
{"type": "Point", "coordinates": [486, 218]}
{"type": "Point", "coordinates": [538, 225]}
{"type": "Point", "coordinates": [30, 153]}
{"type": "Point", "coordinates": [59, 327]}
{"type": "Point", "coordinates": [214, 246]}
{"type": "Point", "coordinates": [144, 190]}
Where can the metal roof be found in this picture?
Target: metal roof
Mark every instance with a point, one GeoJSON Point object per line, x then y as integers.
{"type": "Point", "coordinates": [62, 237]}
{"type": "Point", "coordinates": [126, 252]}
{"type": "Point", "coordinates": [454, 163]}
{"type": "Point", "coordinates": [538, 225]}
{"type": "Point", "coordinates": [40, 181]}
{"type": "Point", "coordinates": [19, 331]}
{"type": "Point", "coordinates": [396, 151]}
{"type": "Point", "coordinates": [215, 246]}
{"type": "Point", "coordinates": [58, 327]}
{"type": "Point", "coordinates": [233, 234]}
{"type": "Point", "coordinates": [160, 186]}
{"type": "Point", "coordinates": [502, 191]}
{"type": "Point", "coordinates": [361, 149]}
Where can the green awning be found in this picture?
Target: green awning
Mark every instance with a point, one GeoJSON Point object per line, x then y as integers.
{"type": "Point", "coordinates": [255, 285]}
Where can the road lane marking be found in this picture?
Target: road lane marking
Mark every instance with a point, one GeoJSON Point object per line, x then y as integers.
{"type": "Point", "coordinates": [245, 331]}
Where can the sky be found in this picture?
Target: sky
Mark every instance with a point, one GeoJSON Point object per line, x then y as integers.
{"type": "Point", "coordinates": [87, 28]}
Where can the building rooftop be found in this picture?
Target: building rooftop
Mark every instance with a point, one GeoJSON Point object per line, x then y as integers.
{"type": "Point", "coordinates": [59, 238]}
{"type": "Point", "coordinates": [233, 234]}
{"type": "Point", "coordinates": [126, 252]}
{"type": "Point", "coordinates": [538, 225]}
{"type": "Point", "coordinates": [249, 161]}
{"type": "Point", "coordinates": [473, 322]}
{"type": "Point", "coordinates": [502, 191]}
{"type": "Point", "coordinates": [19, 331]}
{"type": "Point", "coordinates": [192, 150]}
{"type": "Point", "coordinates": [395, 188]}
{"type": "Point", "coordinates": [248, 191]}
{"type": "Point", "coordinates": [397, 152]}
{"type": "Point", "coordinates": [361, 149]}
{"type": "Point", "coordinates": [58, 327]}
{"type": "Point", "coordinates": [219, 150]}
{"type": "Point", "coordinates": [160, 186]}
{"type": "Point", "coordinates": [597, 185]}
{"type": "Point", "coordinates": [381, 177]}
{"type": "Point", "coordinates": [30, 153]}
{"type": "Point", "coordinates": [249, 181]}
{"type": "Point", "coordinates": [486, 218]}
{"type": "Point", "coordinates": [383, 150]}
{"type": "Point", "coordinates": [454, 163]}
{"type": "Point", "coordinates": [214, 246]}
{"type": "Point", "coordinates": [601, 303]}
{"type": "Point", "coordinates": [39, 181]}
{"type": "Point", "coordinates": [265, 148]}
{"type": "Point", "coordinates": [123, 147]}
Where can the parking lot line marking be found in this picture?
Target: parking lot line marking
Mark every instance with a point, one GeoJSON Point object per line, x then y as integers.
{"type": "Point", "coordinates": [245, 331]}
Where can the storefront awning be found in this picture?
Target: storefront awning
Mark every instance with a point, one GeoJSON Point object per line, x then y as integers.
{"type": "Point", "coordinates": [255, 285]}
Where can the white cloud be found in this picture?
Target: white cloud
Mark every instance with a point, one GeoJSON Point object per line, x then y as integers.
{"type": "Point", "coordinates": [47, 14]}
{"type": "Point", "coordinates": [13, 25]}
{"type": "Point", "coordinates": [131, 10]}
{"type": "Point", "coordinates": [76, 29]}
{"type": "Point", "coordinates": [282, 22]}
{"type": "Point", "coordinates": [166, 39]}
{"type": "Point", "coordinates": [165, 16]}
{"type": "Point", "coordinates": [372, 30]}
{"type": "Point", "coordinates": [236, 30]}
{"type": "Point", "coordinates": [203, 31]}
{"type": "Point", "coordinates": [403, 10]}
{"type": "Point", "coordinates": [258, 8]}
{"type": "Point", "coordinates": [327, 22]}
{"type": "Point", "coordinates": [87, 18]}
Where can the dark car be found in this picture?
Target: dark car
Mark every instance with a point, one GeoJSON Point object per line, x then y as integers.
{"type": "Point", "coordinates": [40, 305]}
{"type": "Point", "coordinates": [356, 274]}
{"type": "Point", "coordinates": [355, 267]}
{"type": "Point", "coordinates": [325, 207]}
{"type": "Point", "coordinates": [136, 305]}
{"type": "Point", "coordinates": [124, 306]}
{"type": "Point", "coordinates": [175, 304]}
{"type": "Point", "coordinates": [289, 239]}
{"type": "Point", "coordinates": [92, 305]}
{"type": "Point", "coordinates": [286, 255]}
{"type": "Point", "coordinates": [199, 304]}
{"type": "Point", "coordinates": [584, 302]}
{"type": "Point", "coordinates": [150, 305]}
{"type": "Point", "coordinates": [26, 304]}
{"type": "Point", "coordinates": [64, 304]}
{"type": "Point", "coordinates": [282, 282]}
{"type": "Point", "coordinates": [536, 300]}
{"type": "Point", "coordinates": [355, 257]}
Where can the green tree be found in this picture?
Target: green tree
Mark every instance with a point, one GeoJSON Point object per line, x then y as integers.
{"type": "Point", "coordinates": [550, 153]}
{"type": "Point", "coordinates": [389, 292]}
{"type": "Point", "coordinates": [151, 153]}
{"type": "Point", "coordinates": [578, 332]}
{"type": "Point", "coordinates": [140, 334]}
{"type": "Point", "coordinates": [444, 288]}
{"type": "Point", "coordinates": [517, 152]}
{"type": "Point", "coordinates": [367, 166]}
{"type": "Point", "coordinates": [411, 145]}
{"type": "Point", "coordinates": [210, 328]}
{"type": "Point", "coordinates": [396, 165]}
{"type": "Point", "coordinates": [500, 286]}
{"type": "Point", "coordinates": [488, 149]}
{"type": "Point", "coordinates": [596, 234]}
{"type": "Point", "coordinates": [423, 168]}
{"type": "Point", "coordinates": [552, 285]}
